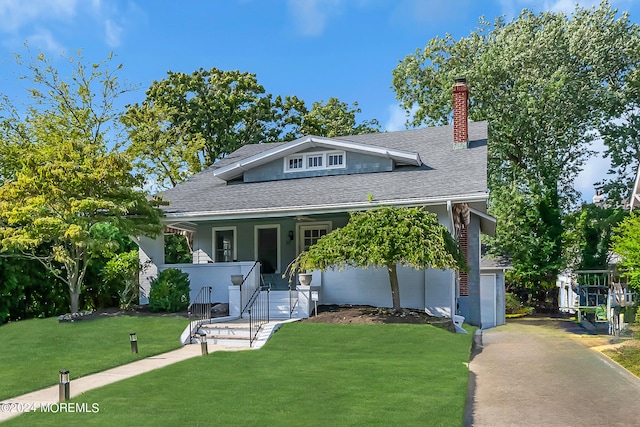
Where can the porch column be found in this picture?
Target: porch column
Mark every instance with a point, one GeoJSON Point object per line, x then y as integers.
{"type": "Point", "coordinates": [304, 301]}
{"type": "Point", "coordinates": [234, 301]}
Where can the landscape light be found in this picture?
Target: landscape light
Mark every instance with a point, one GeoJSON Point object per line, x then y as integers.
{"type": "Point", "coordinates": [203, 344]}
{"type": "Point", "coordinates": [134, 342]}
{"type": "Point", "coordinates": [63, 388]}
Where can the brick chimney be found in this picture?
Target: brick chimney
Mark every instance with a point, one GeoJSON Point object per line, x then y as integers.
{"type": "Point", "coordinates": [460, 114]}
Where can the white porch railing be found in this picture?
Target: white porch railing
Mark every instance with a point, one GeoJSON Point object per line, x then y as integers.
{"type": "Point", "coordinates": [218, 276]}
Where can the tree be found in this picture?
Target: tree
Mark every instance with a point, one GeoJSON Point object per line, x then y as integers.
{"type": "Point", "coordinates": [333, 119]}
{"type": "Point", "coordinates": [67, 182]}
{"type": "Point", "coordinates": [123, 268]}
{"type": "Point", "coordinates": [588, 233]}
{"type": "Point", "coordinates": [626, 243]}
{"type": "Point", "coordinates": [384, 237]}
{"type": "Point", "coordinates": [188, 121]}
{"type": "Point", "coordinates": [622, 141]}
{"type": "Point", "coordinates": [547, 84]}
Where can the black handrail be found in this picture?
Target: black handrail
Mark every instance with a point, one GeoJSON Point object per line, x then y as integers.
{"type": "Point", "coordinates": [199, 310]}
{"type": "Point", "coordinates": [258, 310]}
{"type": "Point", "coordinates": [243, 308]}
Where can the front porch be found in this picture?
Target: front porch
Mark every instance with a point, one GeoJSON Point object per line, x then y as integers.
{"type": "Point", "coordinates": [260, 249]}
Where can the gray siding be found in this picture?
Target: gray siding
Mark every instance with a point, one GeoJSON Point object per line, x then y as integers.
{"type": "Point", "coordinates": [354, 162]}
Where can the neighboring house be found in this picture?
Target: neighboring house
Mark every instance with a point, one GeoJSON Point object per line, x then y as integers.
{"type": "Point", "coordinates": [492, 291]}
{"type": "Point", "coordinates": [599, 296]}
{"type": "Point", "coordinates": [268, 202]}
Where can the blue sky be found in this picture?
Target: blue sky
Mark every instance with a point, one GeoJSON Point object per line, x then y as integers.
{"type": "Point", "coordinates": [314, 49]}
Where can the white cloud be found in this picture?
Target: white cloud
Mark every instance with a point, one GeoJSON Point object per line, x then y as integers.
{"type": "Point", "coordinates": [35, 20]}
{"type": "Point", "coordinates": [113, 32]}
{"type": "Point", "coordinates": [15, 14]}
{"type": "Point", "coordinates": [397, 118]}
{"type": "Point", "coordinates": [44, 41]}
{"type": "Point", "coordinates": [311, 16]}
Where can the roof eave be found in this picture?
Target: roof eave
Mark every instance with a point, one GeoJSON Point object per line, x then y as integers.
{"type": "Point", "coordinates": [326, 209]}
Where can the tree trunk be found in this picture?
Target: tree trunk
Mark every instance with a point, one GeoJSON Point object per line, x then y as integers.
{"type": "Point", "coordinates": [395, 289]}
{"type": "Point", "coordinates": [75, 296]}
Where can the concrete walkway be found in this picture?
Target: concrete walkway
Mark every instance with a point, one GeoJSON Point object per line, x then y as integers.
{"type": "Point", "coordinates": [12, 407]}
{"type": "Point", "coordinates": [548, 372]}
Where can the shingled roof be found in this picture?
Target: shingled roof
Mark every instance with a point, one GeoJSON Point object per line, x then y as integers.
{"type": "Point", "coordinates": [446, 174]}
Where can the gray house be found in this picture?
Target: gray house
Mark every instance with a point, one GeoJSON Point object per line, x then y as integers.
{"type": "Point", "coordinates": [252, 212]}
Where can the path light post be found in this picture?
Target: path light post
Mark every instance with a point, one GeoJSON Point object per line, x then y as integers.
{"type": "Point", "coordinates": [203, 344]}
{"type": "Point", "coordinates": [64, 386]}
{"type": "Point", "coordinates": [134, 342]}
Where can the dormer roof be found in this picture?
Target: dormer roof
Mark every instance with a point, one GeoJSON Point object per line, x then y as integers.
{"type": "Point", "coordinates": [236, 168]}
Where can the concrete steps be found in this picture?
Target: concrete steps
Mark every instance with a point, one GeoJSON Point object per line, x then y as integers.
{"type": "Point", "coordinates": [231, 334]}
{"type": "Point", "coordinates": [279, 304]}
{"type": "Point", "coordinates": [235, 333]}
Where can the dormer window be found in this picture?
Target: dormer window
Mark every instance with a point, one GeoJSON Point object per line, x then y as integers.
{"type": "Point", "coordinates": [314, 161]}
{"type": "Point", "coordinates": [336, 159]}
{"type": "Point", "coordinates": [295, 163]}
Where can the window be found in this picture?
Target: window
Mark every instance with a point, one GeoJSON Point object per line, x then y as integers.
{"type": "Point", "coordinates": [224, 244]}
{"type": "Point", "coordinates": [336, 159]}
{"type": "Point", "coordinates": [295, 163]}
{"type": "Point", "coordinates": [311, 233]}
{"type": "Point", "coordinates": [314, 161]}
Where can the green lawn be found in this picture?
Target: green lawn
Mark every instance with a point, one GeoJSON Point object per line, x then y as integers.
{"type": "Point", "coordinates": [627, 356]}
{"type": "Point", "coordinates": [33, 351]}
{"type": "Point", "coordinates": [307, 374]}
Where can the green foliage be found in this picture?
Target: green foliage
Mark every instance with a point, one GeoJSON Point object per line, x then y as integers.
{"type": "Point", "coordinates": [188, 121]}
{"type": "Point", "coordinates": [27, 290]}
{"type": "Point", "coordinates": [335, 118]}
{"type": "Point", "coordinates": [64, 182]}
{"type": "Point", "coordinates": [123, 269]}
{"type": "Point", "coordinates": [176, 249]}
{"type": "Point", "coordinates": [630, 313]}
{"type": "Point", "coordinates": [169, 291]}
{"type": "Point", "coordinates": [626, 243]}
{"type": "Point", "coordinates": [384, 237]}
{"type": "Point", "coordinates": [588, 234]}
{"type": "Point", "coordinates": [512, 304]}
{"type": "Point", "coordinates": [546, 88]}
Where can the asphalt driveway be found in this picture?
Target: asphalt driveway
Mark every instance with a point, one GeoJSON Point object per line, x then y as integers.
{"type": "Point", "coordinates": [544, 372]}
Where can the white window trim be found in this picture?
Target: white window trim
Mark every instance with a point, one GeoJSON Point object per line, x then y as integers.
{"type": "Point", "coordinates": [214, 230]}
{"type": "Point", "coordinates": [301, 226]}
{"type": "Point", "coordinates": [325, 161]}
{"type": "Point", "coordinates": [286, 163]}
{"type": "Point", "coordinates": [278, 243]}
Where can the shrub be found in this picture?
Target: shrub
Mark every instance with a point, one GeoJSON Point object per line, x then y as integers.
{"type": "Point", "coordinates": [512, 304]}
{"type": "Point", "coordinates": [169, 291]}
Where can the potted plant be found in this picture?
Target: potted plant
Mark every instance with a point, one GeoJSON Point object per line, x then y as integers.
{"type": "Point", "coordinates": [305, 278]}
{"type": "Point", "coordinates": [302, 266]}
